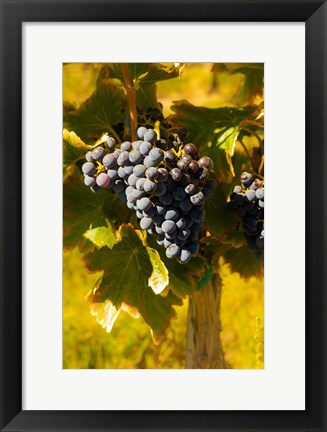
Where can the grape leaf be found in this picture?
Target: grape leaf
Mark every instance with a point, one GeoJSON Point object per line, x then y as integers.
{"type": "Point", "coordinates": [240, 259]}
{"type": "Point", "coordinates": [100, 113]}
{"type": "Point", "coordinates": [220, 218]}
{"type": "Point", "coordinates": [85, 210]}
{"type": "Point", "coordinates": [203, 124]}
{"type": "Point", "coordinates": [102, 236]}
{"type": "Point", "coordinates": [126, 271]}
{"type": "Point", "coordinates": [73, 149]}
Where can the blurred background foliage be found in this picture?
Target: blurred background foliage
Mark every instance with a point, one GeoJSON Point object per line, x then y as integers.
{"type": "Point", "coordinates": [129, 345]}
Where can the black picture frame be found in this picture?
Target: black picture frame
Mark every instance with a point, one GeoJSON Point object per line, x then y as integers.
{"type": "Point", "coordinates": [13, 14]}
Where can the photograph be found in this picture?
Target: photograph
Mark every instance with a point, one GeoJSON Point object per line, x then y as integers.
{"type": "Point", "coordinates": [163, 215]}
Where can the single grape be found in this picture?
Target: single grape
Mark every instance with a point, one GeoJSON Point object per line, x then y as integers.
{"type": "Point", "coordinates": [89, 156]}
{"type": "Point", "coordinates": [166, 199]}
{"type": "Point", "coordinates": [163, 174]}
{"type": "Point", "coordinates": [198, 198]}
{"type": "Point", "coordinates": [186, 205]}
{"type": "Point", "coordinates": [135, 157]}
{"type": "Point", "coordinates": [111, 143]}
{"type": "Point", "coordinates": [193, 167]}
{"type": "Point", "coordinates": [88, 168]}
{"type": "Point", "coordinates": [138, 194]}
{"type": "Point", "coordinates": [184, 256]}
{"type": "Point", "coordinates": [183, 163]}
{"type": "Point", "coordinates": [190, 149]}
{"type": "Point", "coordinates": [261, 203]}
{"type": "Point", "coordinates": [179, 194]}
{"type": "Point", "coordinates": [168, 226]}
{"type": "Point", "coordinates": [109, 161]}
{"type": "Point", "coordinates": [191, 189]}
{"type": "Point", "coordinates": [256, 184]}
{"type": "Point", "coordinates": [146, 223]}
{"type": "Point", "coordinates": [197, 214]}
{"type": "Point", "coordinates": [160, 240]}
{"type": "Point", "coordinates": [150, 136]}
{"type": "Point", "coordinates": [145, 148]}
{"type": "Point", "coordinates": [117, 152]}
{"type": "Point", "coordinates": [139, 170]}
{"type": "Point", "coordinates": [152, 173]}
{"type": "Point", "coordinates": [260, 193]}
{"type": "Point", "coordinates": [122, 173]}
{"type": "Point", "coordinates": [160, 208]}
{"type": "Point", "coordinates": [144, 203]}
{"type": "Point", "coordinates": [98, 153]}
{"type": "Point", "coordinates": [140, 183]}
{"type": "Point", "coordinates": [205, 162]}
{"type": "Point", "coordinates": [139, 214]}
{"type": "Point", "coordinates": [118, 186]}
{"type": "Point", "coordinates": [126, 145]}
{"type": "Point", "coordinates": [176, 174]}
{"type": "Point", "coordinates": [95, 188]}
{"type": "Point", "coordinates": [131, 198]}
{"type": "Point", "coordinates": [159, 230]}
{"type": "Point", "coordinates": [129, 168]}
{"type": "Point", "coordinates": [181, 223]}
{"type": "Point", "coordinates": [158, 219]}
{"type": "Point", "coordinates": [203, 174]}
{"type": "Point", "coordinates": [182, 234]}
{"type": "Point", "coordinates": [250, 195]}
{"type": "Point", "coordinates": [172, 250]}
{"type": "Point", "coordinates": [185, 180]}
{"type": "Point", "coordinates": [161, 189]}
{"type": "Point", "coordinates": [129, 190]}
{"type": "Point", "coordinates": [149, 162]}
{"type": "Point", "coordinates": [171, 214]}
{"type": "Point", "coordinates": [167, 242]}
{"type": "Point", "coordinates": [103, 180]}
{"type": "Point", "coordinates": [132, 179]}
{"type": "Point", "coordinates": [193, 247]}
{"type": "Point", "coordinates": [141, 131]}
{"type": "Point", "coordinates": [123, 158]}
{"type": "Point", "coordinates": [149, 212]}
{"type": "Point", "coordinates": [169, 156]}
{"type": "Point", "coordinates": [156, 155]}
{"type": "Point", "coordinates": [89, 181]}
{"type": "Point", "coordinates": [247, 179]}
{"type": "Point", "coordinates": [149, 186]}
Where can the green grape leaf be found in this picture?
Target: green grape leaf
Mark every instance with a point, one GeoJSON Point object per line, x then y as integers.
{"type": "Point", "coordinates": [102, 236]}
{"type": "Point", "coordinates": [227, 141]}
{"type": "Point", "coordinates": [85, 210]}
{"type": "Point", "coordinates": [203, 124]}
{"type": "Point", "coordinates": [220, 218]}
{"type": "Point", "coordinates": [159, 278]}
{"type": "Point", "coordinates": [126, 271]}
{"type": "Point", "coordinates": [253, 80]}
{"type": "Point", "coordinates": [73, 149]}
{"type": "Point", "coordinates": [100, 113]}
{"type": "Point", "coordinates": [233, 251]}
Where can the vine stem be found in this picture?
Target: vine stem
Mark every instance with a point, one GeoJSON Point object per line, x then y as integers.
{"type": "Point", "coordinates": [128, 82]}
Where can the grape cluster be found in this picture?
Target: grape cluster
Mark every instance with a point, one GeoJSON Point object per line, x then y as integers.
{"type": "Point", "coordinates": [248, 201]}
{"type": "Point", "coordinates": [165, 182]}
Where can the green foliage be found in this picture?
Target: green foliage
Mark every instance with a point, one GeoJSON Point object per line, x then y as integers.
{"type": "Point", "coordinates": [126, 272]}
{"type": "Point", "coordinates": [102, 112]}
{"type": "Point", "coordinates": [73, 149]}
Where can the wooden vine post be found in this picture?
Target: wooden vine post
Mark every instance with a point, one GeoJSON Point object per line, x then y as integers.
{"type": "Point", "coordinates": [204, 348]}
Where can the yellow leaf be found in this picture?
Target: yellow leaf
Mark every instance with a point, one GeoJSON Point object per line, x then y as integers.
{"type": "Point", "coordinates": [159, 278]}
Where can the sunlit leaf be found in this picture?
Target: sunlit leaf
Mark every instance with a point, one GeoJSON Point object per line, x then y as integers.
{"type": "Point", "coordinates": [106, 108]}
{"type": "Point", "coordinates": [73, 149]}
{"type": "Point", "coordinates": [105, 314]}
{"type": "Point", "coordinates": [159, 278]}
{"type": "Point", "coordinates": [102, 236]}
{"type": "Point", "coordinates": [126, 271]}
